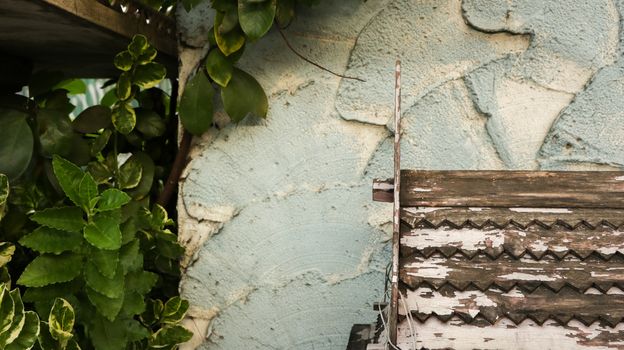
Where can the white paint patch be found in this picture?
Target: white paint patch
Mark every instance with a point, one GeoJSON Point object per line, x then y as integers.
{"type": "Point", "coordinates": [430, 268]}
{"type": "Point", "coordinates": [469, 239]}
{"type": "Point", "coordinates": [528, 277]}
{"type": "Point", "coordinates": [421, 189]}
{"type": "Point", "coordinates": [541, 210]}
{"type": "Point", "coordinates": [619, 178]}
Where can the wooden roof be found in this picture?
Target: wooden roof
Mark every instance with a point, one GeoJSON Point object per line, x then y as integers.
{"type": "Point", "coordinates": [81, 37]}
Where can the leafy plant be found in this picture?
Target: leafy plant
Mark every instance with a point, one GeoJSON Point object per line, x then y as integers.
{"type": "Point", "coordinates": [18, 328]}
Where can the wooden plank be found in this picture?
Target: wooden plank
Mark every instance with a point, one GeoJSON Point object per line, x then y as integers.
{"type": "Point", "coordinates": [507, 272]}
{"type": "Point", "coordinates": [535, 240]}
{"type": "Point", "coordinates": [474, 306]}
{"type": "Point", "coordinates": [505, 335]}
{"type": "Point", "coordinates": [480, 217]}
{"type": "Point", "coordinates": [511, 189]}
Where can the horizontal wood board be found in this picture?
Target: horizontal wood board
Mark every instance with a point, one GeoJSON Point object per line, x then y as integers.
{"type": "Point", "coordinates": [507, 189]}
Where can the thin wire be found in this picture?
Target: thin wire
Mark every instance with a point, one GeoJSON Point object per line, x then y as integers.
{"type": "Point", "coordinates": [312, 62]}
{"type": "Point", "coordinates": [409, 321]}
{"type": "Point", "coordinates": [383, 321]}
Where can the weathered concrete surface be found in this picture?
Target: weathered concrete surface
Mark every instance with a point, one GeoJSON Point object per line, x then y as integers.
{"type": "Point", "coordinates": [286, 249]}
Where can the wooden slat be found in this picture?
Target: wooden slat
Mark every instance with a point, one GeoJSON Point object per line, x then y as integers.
{"type": "Point", "coordinates": [509, 189]}
{"type": "Point", "coordinates": [534, 241]}
{"type": "Point", "coordinates": [505, 335]}
{"type": "Point", "coordinates": [517, 305]}
{"type": "Point", "coordinates": [480, 217]}
{"type": "Point", "coordinates": [507, 272]}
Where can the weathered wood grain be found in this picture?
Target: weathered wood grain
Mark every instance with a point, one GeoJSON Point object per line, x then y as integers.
{"type": "Point", "coordinates": [480, 217]}
{"type": "Point", "coordinates": [455, 334]}
{"type": "Point", "coordinates": [507, 272]}
{"type": "Point", "coordinates": [475, 306]}
{"type": "Point", "coordinates": [535, 241]}
{"type": "Point", "coordinates": [510, 189]}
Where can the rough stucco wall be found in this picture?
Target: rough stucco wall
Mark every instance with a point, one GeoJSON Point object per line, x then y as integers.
{"type": "Point", "coordinates": [286, 249]}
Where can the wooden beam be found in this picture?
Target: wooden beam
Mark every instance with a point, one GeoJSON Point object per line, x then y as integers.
{"type": "Point", "coordinates": [508, 189]}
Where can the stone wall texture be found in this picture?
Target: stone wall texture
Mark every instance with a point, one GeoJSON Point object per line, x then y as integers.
{"type": "Point", "coordinates": [286, 249]}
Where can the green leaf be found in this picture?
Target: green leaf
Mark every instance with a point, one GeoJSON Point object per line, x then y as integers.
{"type": "Point", "coordinates": [79, 152]}
{"type": "Point", "coordinates": [130, 259]}
{"type": "Point", "coordinates": [138, 45]}
{"type": "Point", "coordinates": [150, 124]}
{"type": "Point", "coordinates": [87, 191]}
{"type": "Point", "coordinates": [93, 119]}
{"type": "Point", "coordinates": [69, 176]}
{"type": "Point", "coordinates": [133, 304]}
{"type": "Point", "coordinates": [153, 311]}
{"type": "Point", "coordinates": [7, 309]}
{"type": "Point", "coordinates": [50, 269]}
{"type": "Point", "coordinates": [231, 41]}
{"type": "Point", "coordinates": [147, 175]}
{"type": "Point", "coordinates": [72, 86]}
{"type": "Point", "coordinates": [124, 118]}
{"type": "Point", "coordinates": [16, 143]}
{"type": "Point", "coordinates": [49, 240]}
{"type": "Point", "coordinates": [147, 56]}
{"type": "Point", "coordinates": [59, 101]}
{"type": "Point", "coordinates": [112, 199]}
{"type": "Point", "coordinates": [244, 96]}
{"type": "Point", "coordinates": [4, 195]}
{"type": "Point", "coordinates": [61, 218]}
{"type": "Point", "coordinates": [108, 307]}
{"type": "Point", "coordinates": [106, 261]}
{"type": "Point", "coordinates": [103, 231]}
{"type": "Point", "coordinates": [29, 333]}
{"type": "Point", "coordinates": [106, 335]}
{"type": "Point", "coordinates": [109, 98]}
{"type": "Point", "coordinates": [123, 61]}
{"type": "Point", "coordinates": [18, 319]}
{"type": "Point", "coordinates": [256, 18]}
{"type": "Point", "coordinates": [109, 287]}
{"type": "Point", "coordinates": [196, 108]}
{"type": "Point", "coordinates": [55, 132]}
{"type": "Point", "coordinates": [61, 321]}
{"type": "Point", "coordinates": [285, 12]}
{"type": "Point", "coordinates": [141, 281]}
{"type": "Point", "coordinates": [6, 252]}
{"type": "Point", "coordinates": [149, 75]}
{"type": "Point", "coordinates": [130, 173]}
{"type": "Point", "coordinates": [229, 22]}
{"type": "Point", "coordinates": [170, 335]}
{"type": "Point", "coordinates": [174, 311]}
{"type": "Point", "coordinates": [100, 142]}
{"type": "Point", "coordinates": [124, 86]}
{"type": "Point", "coordinates": [219, 68]}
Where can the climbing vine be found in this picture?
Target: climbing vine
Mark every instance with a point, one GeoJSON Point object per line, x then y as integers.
{"type": "Point", "coordinates": [84, 199]}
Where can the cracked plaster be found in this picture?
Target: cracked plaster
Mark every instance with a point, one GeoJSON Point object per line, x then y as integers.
{"type": "Point", "coordinates": [286, 250]}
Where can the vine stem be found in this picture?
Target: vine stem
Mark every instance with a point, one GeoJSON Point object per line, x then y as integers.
{"type": "Point", "coordinates": [312, 62]}
{"type": "Point", "coordinates": [171, 185]}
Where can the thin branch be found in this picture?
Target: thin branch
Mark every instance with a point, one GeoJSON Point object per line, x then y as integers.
{"type": "Point", "coordinates": [312, 62]}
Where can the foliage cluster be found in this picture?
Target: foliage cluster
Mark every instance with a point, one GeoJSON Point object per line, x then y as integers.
{"type": "Point", "coordinates": [95, 256]}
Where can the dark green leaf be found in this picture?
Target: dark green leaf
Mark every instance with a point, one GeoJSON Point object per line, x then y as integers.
{"type": "Point", "coordinates": [16, 143]}
{"type": "Point", "coordinates": [138, 45]}
{"type": "Point", "coordinates": [147, 56]}
{"type": "Point", "coordinates": [130, 173]}
{"type": "Point", "coordinates": [55, 132]}
{"type": "Point", "coordinates": [108, 307]}
{"type": "Point", "coordinates": [4, 195]}
{"type": "Point", "coordinates": [99, 171]}
{"type": "Point", "coordinates": [147, 175]}
{"type": "Point", "coordinates": [103, 231]}
{"type": "Point", "coordinates": [59, 101]}
{"type": "Point", "coordinates": [68, 176]}
{"type": "Point", "coordinates": [256, 18]}
{"type": "Point", "coordinates": [49, 240]}
{"type": "Point", "coordinates": [174, 310]}
{"type": "Point", "coordinates": [124, 118]}
{"type": "Point", "coordinates": [141, 281]}
{"type": "Point", "coordinates": [244, 96]}
{"type": "Point", "coordinates": [100, 142]}
{"type": "Point", "coordinates": [229, 22]}
{"type": "Point", "coordinates": [87, 192]}
{"type": "Point", "coordinates": [219, 67]}
{"type": "Point", "coordinates": [150, 124]}
{"type": "Point", "coordinates": [107, 335]}
{"type": "Point", "coordinates": [149, 75]}
{"type": "Point", "coordinates": [60, 218]}
{"type": "Point", "coordinates": [92, 119]}
{"type": "Point", "coordinates": [6, 252]}
{"type": "Point", "coordinates": [112, 199]}
{"type": "Point", "coordinates": [285, 12]}
{"type": "Point", "coordinates": [124, 60]}
{"type": "Point", "coordinates": [50, 269]}
{"type": "Point", "coordinates": [130, 258]}
{"type": "Point", "coordinates": [170, 335]}
{"type": "Point", "coordinates": [18, 318]}
{"type": "Point", "coordinates": [43, 81]}
{"type": "Point", "coordinates": [109, 98]}
{"type": "Point", "coordinates": [196, 107]}
{"type": "Point", "coordinates": [106, 261]}
{"type": "Point", "coordinates": [231, 41]}
{"type": "Point", "coordinates": [79, 154]}
{"type": "Point", "coordinates": [7, 308]}
{"type": "Point", "coordinates": [133, 304]}
{"type": "Point", "coordinates": [124, 86]}
{"type": "Point", "coordinates": [109, 287]}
